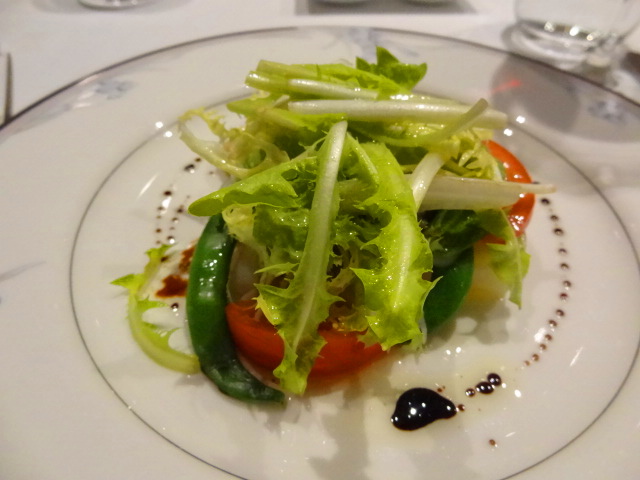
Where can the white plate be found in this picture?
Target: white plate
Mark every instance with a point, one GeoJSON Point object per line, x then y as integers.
{"type": "Point", "coordinates": [84, 173]}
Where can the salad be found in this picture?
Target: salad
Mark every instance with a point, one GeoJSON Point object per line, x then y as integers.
{"type": "Point", "coordinates": [350, 226]}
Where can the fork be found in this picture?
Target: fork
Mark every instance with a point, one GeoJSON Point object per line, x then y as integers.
{"type": "Point", "coordinates": [6, 107]}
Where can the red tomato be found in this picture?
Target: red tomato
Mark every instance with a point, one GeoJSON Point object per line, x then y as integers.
{"type": "Point", "coordinates": [520, 212]}
{"type": "Point", "coordinates": [258, 341]}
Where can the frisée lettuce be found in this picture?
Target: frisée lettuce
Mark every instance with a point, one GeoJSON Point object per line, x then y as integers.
{"type": "Point", "coordinates": [348, 187]}
{"type": "Point", "coordinates": [303, 228]}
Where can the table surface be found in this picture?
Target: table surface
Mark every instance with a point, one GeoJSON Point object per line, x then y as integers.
{"type": "Point", "coordinates": [69, 41]}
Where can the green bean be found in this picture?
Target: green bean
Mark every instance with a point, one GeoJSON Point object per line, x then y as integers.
{"type": "Point", "coordinates": [210, 335]}
{"type": "Point", "coordinates": [449, 292]}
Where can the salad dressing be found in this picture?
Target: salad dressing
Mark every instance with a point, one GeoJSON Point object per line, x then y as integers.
{"type": "Point", "coordinates": [173, 286]}
{"type": "Point", "coordinates": [418, 407]}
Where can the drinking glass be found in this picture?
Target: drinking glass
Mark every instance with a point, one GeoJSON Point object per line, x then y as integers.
{"type": "Point", "coordinates": [569, 33]}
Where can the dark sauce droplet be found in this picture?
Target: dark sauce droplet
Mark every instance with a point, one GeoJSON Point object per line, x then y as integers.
{"type": "Point", "coordinates": [494, 379]}
{"type": "Point", "coordinates": [484, 388]}
{"type": "Point", "coordinates": [418, 407]}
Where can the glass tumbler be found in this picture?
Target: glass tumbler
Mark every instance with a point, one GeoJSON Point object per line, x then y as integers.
{"type": "Point", "coordinates": [571, 32]}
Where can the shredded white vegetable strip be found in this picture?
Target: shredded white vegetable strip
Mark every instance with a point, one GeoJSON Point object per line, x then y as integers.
{"type": "Point", "coordinates": [331, 90]}
{"type": "Point", "coordinates": [460, 193]}
{"type": "Point", "coordinates": [391, 110]}
{"type": "Point", "coordinates": [424, 174]}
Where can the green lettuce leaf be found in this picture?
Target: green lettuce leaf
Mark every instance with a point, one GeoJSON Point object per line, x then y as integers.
{"type": "Point", "coordinates": [394, 287]}
{"type": "Point", "coordinates": [509, 260]}
{"type": "Point", "coordinates": [388, 77]}
{"type": "Point", "coordinates": [268, 212]}
{"type": "Point", "coordinates": [238, 152]}
{"type": "Point", "coordinates": [153, 339]}
{"type": "Point", "coordinates": [298, 309]}
{"type": "Point", "coordinates": [450, 232]}
{"type": "Point", "coordinates": [404, 74]}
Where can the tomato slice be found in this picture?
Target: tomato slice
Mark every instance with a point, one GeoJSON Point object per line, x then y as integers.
{"type": "Point", "coordinates": [520, 212]}
{"type": "Point", "coordinates": [259, 342]}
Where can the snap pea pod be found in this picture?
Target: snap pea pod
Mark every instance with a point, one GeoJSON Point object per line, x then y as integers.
{"type": "Point", "coordinates": [446, 297]}
{"type": "Point", "coordinates": [210, 336]}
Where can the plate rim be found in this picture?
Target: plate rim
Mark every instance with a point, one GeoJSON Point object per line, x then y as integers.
{"type": "Point", "coordinates": [324, 26]}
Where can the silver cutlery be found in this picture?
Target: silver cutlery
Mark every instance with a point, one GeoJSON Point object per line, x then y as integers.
{"type": "Point", "coordinates": [6, 87]}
